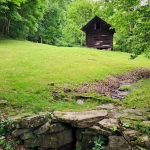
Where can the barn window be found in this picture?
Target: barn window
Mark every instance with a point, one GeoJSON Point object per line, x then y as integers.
{"type": "Point", "coordinates": [97, 25]}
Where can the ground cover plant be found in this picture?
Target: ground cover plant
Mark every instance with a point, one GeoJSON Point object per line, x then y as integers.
{"type": "Point", "coordinates": [30, 70]}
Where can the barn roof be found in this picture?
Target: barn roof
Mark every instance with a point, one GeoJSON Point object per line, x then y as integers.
{"type": "Point", "coordinates": [92, 20]}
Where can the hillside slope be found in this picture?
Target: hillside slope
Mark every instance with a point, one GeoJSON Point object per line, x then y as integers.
{"type": "Point", "coordinates": [27, 70]}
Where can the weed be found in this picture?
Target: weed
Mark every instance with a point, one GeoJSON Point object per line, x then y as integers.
{"type": "Point", "coordinates": [141, 148]}
{"type": "Point", "coordinates": [126, 125]}
{"type": "Point", "coordinates": [114, 129]}
{"type": "Point", "coordinates": [142, 127]}
{"type": "Point", "coordinates": [79, 148]}
{"type": "Point", "coordinates": [5, 128]}
{"type": "Point", "coordinates": [48, 116]}
{"type": "Point", "coordinates": [98, 144]}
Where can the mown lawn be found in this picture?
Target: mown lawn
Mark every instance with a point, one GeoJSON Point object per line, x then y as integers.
{"type": "Point", "coordinates": [27, 69]}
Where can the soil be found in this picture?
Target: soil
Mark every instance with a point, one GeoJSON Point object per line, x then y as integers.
{"type": "Point", "coordinates": [112, 84]}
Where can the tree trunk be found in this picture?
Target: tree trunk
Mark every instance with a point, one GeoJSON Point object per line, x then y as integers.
{"type": "Point", "coordinates": [81, 39]}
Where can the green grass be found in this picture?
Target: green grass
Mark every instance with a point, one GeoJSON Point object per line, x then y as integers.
{"type": "Point", "coordinates": [27, 68]}
{"type": "Point", "coordinates": [140, 96]}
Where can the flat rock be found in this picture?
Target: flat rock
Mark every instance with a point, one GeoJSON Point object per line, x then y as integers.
{"type": "Point", "coordinates": [99, 130]}
{"type": "Point", "coordinates": [43, 128]}
{"type": "Point", "coordinates": [18, 132]}
{"type": "Point", "coordinates": [143, 141]}
{"type": "Point", "coordinates": [80, 101]}
{"type": "Point", "coordinates": [106, 106]}
{"type": "Point", "coordinates": [56, 127]}
{"type": "Point", "coordinates": [81, 119]}
{"type": "Point", "coordinates": [34, 121]}
{"type": "Point", "coordinates": [131, 135]}
{"type": "Point", "coordinates": [27, 135]}
{"type": "Point", "coordinates": [147, 123]}
{"type": "Point", "coordinates": [134, 111]}
{"type": "Point", "coordinates": [136, 117]}
{"type": "Point", "coordinates": [108, 123]}
{"type": "Point", "coordinates": [115, 114]}
{"type": "Point", "coordinates": [117, 143]}
{"type": "Point", "coordinates": [3, 101]}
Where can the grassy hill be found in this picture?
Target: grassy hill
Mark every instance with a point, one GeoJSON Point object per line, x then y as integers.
{"type": "Point", "coordinates": [27, 69]}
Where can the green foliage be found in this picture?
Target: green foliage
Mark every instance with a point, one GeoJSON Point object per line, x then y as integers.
{"type": "Point", "coordinates": [126, 125]}
{"type": "Point", "coordinates": [79, 148]}
{"type": "Point", "coordinates": [59, 22]}
{"type": "Point", "coordinates": [78, 14]}
{"type": "Point", "coordinates": [98, 144]}
{"type": "Point", "coordinates": [140, 126]}
{"type": "Point", "coordinates": [114, 129]}
{"type": "Point", "coordinates": [5, 127]}
{"type": "Point", "coordinates": [141, 148]}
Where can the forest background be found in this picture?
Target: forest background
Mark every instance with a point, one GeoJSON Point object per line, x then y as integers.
{"type": "Point", "coordinates": [59, 22]}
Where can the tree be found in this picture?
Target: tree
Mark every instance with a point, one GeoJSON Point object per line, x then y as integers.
{"type": "Point", "coordinates": [131, 23]}
{"type": "Point", "coordinates": [20, 17]}
{"type": "Point", "coordinates": [78, 14]}
{"type": "Point", "coordinates": [8, 12]}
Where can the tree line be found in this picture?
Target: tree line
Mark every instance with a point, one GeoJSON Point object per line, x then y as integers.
{"type": "Point", "coordinates": [59, 22]}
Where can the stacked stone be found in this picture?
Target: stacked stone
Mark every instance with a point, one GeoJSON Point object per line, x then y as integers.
{"type": "Point", "coordinates": [67, 130]}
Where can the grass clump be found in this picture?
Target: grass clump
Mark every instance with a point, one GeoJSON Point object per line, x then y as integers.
{"type": "Point", "coordinates": [140, 95]}
{"type": "Point", "coordinates": [125, 88]}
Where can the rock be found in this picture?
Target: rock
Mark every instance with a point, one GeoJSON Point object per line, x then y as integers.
{"type": "Point", "coordinates": [81, 119]}
{"type": "Point", "coordinates": [115, 114]}
{"type": "Point", "coordinates": [57, 127]}
{"type": "Point", "coordinates": [34, 121]}
{"type": "Point", "coordinates": [53, 140]}
{"type": "Point", "coordinates": [88, 142]}
{"type": "Point", "coordinates": [134, 111]}
{"type": "Point", "coordinates": [106, 106]}
{"type": "Point", "coordinates": [3, 102]}
{"type": "Point", "coordinates": [143, 141]}
{"type": "Point", "coordinates": [107, 124]}
{"type": "Point", "coordinates": [147, 123]}
{"type": "Point", "coordinates": [131, 135]}
{"type": "Point", "coordinates": [27, 135]}
{"type": "Point", "coordinates": [135, 117]}
{"type": "Point", "coordinates": [78, 145]}
{"type": "Point", "coordinates": [79, 134]}
{"type": "Point", "coordinates": [18, 132]}
{"type": "Point", "coordinates": [43, 128]}
{"type": "Point", "coordinates": [51, 84]}
{"type": "Point", "coordinates": [117, 143]}
{"type": "Point", "coordinates": [69, 146]}
{"type": "Point", "coordinates": [99, 130]}
{"type": "Point", "coordinates": [80, 101]}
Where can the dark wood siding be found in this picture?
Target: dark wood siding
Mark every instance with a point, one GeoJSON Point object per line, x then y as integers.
{"type": "Point", "coordinates": [98, 34]}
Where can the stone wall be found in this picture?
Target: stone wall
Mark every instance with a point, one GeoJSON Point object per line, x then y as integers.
{"type": "Point", "coordinates": [76, 130]}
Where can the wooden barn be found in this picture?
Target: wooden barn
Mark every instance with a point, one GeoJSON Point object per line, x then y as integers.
{"type": "Point", "coordinates": [98, 34]}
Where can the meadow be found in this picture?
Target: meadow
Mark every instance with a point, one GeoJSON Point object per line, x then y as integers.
{"type": "Point", "coordinates": [27, 69]}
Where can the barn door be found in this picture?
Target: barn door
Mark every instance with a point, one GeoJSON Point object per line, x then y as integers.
{"type": "Point", "coordinates": [89, 41]}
